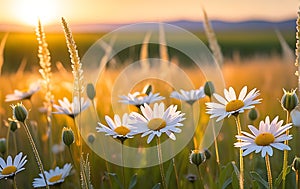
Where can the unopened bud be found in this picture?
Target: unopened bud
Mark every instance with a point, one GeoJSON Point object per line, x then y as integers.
{"type": "Point", "coordinates": [90, 91]}
{"type": "Point", "coordinates": [68, 136]}
{"type": "Point", "coordinates": [19, 112]}
{"type": "Point", "coordinates": [209, 88]}
{"type": "Point", "coordinates": [289, 100]}
{"type": "Point", "coordinates": [197, 157]}
{"type": "Point", "coordinates": [207, 154]}
{"type": "Point", "coordinates": [13, 125]}
{"type": "Point", "coordinates": [253, 114]}
{"type": "Point", "coordinates": [2, 145]}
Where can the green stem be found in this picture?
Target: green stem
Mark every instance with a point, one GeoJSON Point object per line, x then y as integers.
{"type": "Point", "coordinates": [297, 179]}
{"type": "Point", "coordinates": [101, 144]}
{"type": "Point", "coordinates": [239, 130]}
{"type": "Point", "coordinates": [200, 177]}
{"type": "Point", "coordinates": [15, 183]}
{"type": "Point", "coordinates": [36, 153]}
{"type": "Point", "coordinates": [71, 155]}
{"type": "Point", "coordinates": [269, 171]}
{"type": "Point", "coordinates": [123, 168]}
{"type": "Point", "coordinates": [176, 173]}
{"type": "Point", "coordinates": [161, 166]}
{"type": "Point", "coordinates": [7, 139]}
{"type": "Point", "coordinates": [215, 141]}
{"type": "Point", "coordinates": [285, 153]}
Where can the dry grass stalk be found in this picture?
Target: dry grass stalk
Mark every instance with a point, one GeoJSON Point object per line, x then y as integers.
{"type": "Point", "coordinates": [297, 51]}
{"type": "Point", "coordinates": [45, 71]}
{"type": "Point", "coordinates": [144, 53]}
{"type": "Point", "coordinates": [75, 60]}
{"type": "Point", "coordinates": [287, 52]}
{"type": "Point", "coordinates": [2, 45]}
{"type": "Point", "coordinates": [212, 39]}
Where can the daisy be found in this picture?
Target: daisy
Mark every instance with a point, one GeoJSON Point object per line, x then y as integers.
{"type": "Point", "coordinates": [269, 134]}
{"type": "Point", "coordinates": [117, 128]}
{"type": "Point", "coordinates": [138, 99]}
{"type": "Point", "coordinates": [70, 108]}
{"type": "Point", "coordinates": [157, 121]}
{"type": "Point", "coordinates": [53, 176]}
{"type": "Point", "coordinates": [231, 105]}
{"type": "Point", "coordinates": [189, 96]}
{"type": "Point", "coordinates": [10, 168]}
{"type": "Point", "coordinates": [21, 95]}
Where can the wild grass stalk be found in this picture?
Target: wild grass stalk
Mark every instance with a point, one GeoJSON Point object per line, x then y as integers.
{"type": "Point", "coordinates": [45, 71]}
{"type": "Point", "coordinates": [2, 46]}
{"type": "Point", "coordinates": [297, 51]}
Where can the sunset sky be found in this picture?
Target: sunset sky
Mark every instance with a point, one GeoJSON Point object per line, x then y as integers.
{"type": "Point", "coordinates": [120, 11]}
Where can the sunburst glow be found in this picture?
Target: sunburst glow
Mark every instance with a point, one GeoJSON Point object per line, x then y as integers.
{"type": "Point", "coordinates": [29, 11]}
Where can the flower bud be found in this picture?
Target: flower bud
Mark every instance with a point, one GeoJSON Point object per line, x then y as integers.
{"type": "Point", "coordinates": [13, 125]}
{"type": "Point", "coordinates": [68, 136]}
{"type": "Point", "coordinates": [197, 157]}
{"type": "Point", "coordinates": [253, 114]}
{"type": "Point", "coordinates": [289, 100]}
{"type": "Point", "coordinates": [19, 112]}
{"type": "Point", "coordinates": [90, 91]}
{"type": "Point", "coordinates": [207, 154]}
{"type": "Point", "coordinates": [2, 145]}
{"type": "Point", "coordinates": [296, 164]}
{"type": "Point", "coordinates": [209, 88]}
{"type": "Point", "coordinates": [91, 138]}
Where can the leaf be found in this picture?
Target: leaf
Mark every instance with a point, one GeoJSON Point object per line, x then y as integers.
{"type": "Point", "coordinates": [227, 183]}
{"type": "Point", "coordinates": [235, 180]}
{"type": "Point", "coordinates": [116, 178]}
{"type": "Point", "coordinates": [156, 186]}
{"type": "Point", "coordinates": [133, 181]}
{"type": "Point", "coordinates": [169, 172]}
{"type": "Point", "coordinates": [225, 173]}
{"type": "Point", "coordinates": [259, 179]}
{"type": "Point", "coordinates": [278, 180]}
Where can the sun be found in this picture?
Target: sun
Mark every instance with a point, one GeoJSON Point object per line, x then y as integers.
{"type": "Point", "coordinates": [29, 11]}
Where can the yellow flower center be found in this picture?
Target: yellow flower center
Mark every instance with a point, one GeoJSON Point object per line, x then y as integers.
{"type": "Point", "coordinates": [55, 178]}
{"type": "Point", "coordinates": [234, 105]}
{"type": "Point", "coordinates": [142, 95]}
{"type": "Point", "coordinates": [9, 170]}
{"type": "Point", "coordinates": [156, 124]}
{"type": "Point", "coordinates": [122, 130]}
{"type": "Point", "coordinates": [264, 139]}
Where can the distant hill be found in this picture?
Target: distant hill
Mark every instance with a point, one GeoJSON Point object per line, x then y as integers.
{"type": "Point", "coordinates": [218, 25]}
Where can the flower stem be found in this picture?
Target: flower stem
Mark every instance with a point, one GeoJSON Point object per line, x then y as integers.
{"type": "Point", "coordinates": [161, 166]}
{"type": "Point", "coordinates": [200, 177]}
{"type": "Point", "coordinates": [239, 130]}
{"type": "Point", "coordinates": [269, 171]}
{"type": "Point", "coordinates": [285, 153]}
{"type": "Point", "coordinates": [176, 173]}
{"type": "Point", "coordinates": [36, 153]}
{"type": "Point", "coordinates": [215, 141]}
{"type": "Point", "coordinates": [15, 183]}
{"type": "Point", "coordinates": [297, 179]}
{"type": "Point", "coordinates": [70, 152]}
{"type": "Point", "coordinates": [123, 168]}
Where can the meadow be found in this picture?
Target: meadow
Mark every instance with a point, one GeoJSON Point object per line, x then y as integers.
{"type": "Point", "coordinates": [254, 60]}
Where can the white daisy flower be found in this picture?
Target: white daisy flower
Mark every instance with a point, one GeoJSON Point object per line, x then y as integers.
{"type": "Point", "coordinates": [117, 128]}
{"type": "Point", "coordinates": [70, 108]}
{"type": "Point", "coordinates": [157, 121]}
{"type": "Point", "coordinates": [53, 176]}
{"type": "Point", "coordinates": [189, 96]}
{"type": "Point", "coordinates": [138, 99]}
{"type": "Point", "coordinates": [11, 167]}
{"type": "Point", "coordinates": [230, 105]}
{"type": "Point", "coordinates": [26, 94]}
{"type": "Point", "coordinates": [269, 134]}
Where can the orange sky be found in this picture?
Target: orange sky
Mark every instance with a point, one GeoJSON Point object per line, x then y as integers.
{"type": "Point", "coordinates": [118, 11]}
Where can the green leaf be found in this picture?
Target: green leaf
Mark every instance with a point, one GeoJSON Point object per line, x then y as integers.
{"type": "Point", "coordinates": [225, 173]}
{"type": "Point", "coordinates": [259, 179]}
{"type": "Point", "coordinates": [278, 180]}
{"type": "Point", "coordinates": [169, 172]}
{"type": "Point", "coordinates": [156, 186]}
{"type": "Point", "coordinates": [227, 183]}
{"type": "Point", "coordinates": [116, 178]}
{"type": "Point", "coordinates": [235, 180]}
{"type": "Point", "coordinates": [133, 181]}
